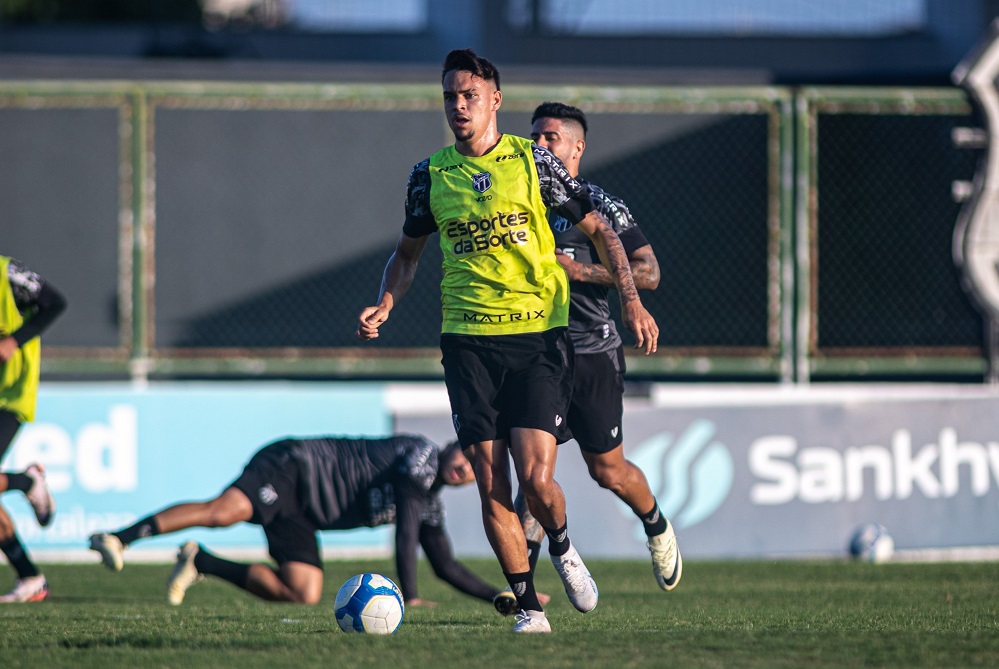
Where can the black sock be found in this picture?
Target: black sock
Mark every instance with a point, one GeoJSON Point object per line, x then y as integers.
{"type": "Point", "coordinates": [18, 557]}
{"type": "Point", "coordinates": [522, 586]}
{"type": "Point", "coordinates": [558, 540]}
{"type": "Point", "coordinates": [147, 527]}
{"type": "Point", "coordinates": [654, 521]}
{"type": "Point", "coordinates": [533, 552]}
{"type": "Point", "coordinates": [19, 482]}
{"type": "Point", "coordinates": [236, 573]}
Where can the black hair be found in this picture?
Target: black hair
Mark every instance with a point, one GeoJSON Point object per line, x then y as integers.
{"type": "Point", "coordinates": [560, 110]}
{"type": "Point", "coordinates": [466, 60]}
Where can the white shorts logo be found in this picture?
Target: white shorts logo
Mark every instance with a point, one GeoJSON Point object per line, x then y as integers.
{"type": "Point", "coordinates": [558, 420]}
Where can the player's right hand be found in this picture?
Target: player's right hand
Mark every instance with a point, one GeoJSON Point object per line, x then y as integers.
{"type": "Point", "coordinates": [369, 321]}
{"type": "Point", "coordinates": [642, 325]}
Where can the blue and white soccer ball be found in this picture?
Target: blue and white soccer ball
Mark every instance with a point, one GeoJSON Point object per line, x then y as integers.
{"type": "Point", "coordinates": [369, 604]}
{"type": "Point", "coordinates": [872, 543]}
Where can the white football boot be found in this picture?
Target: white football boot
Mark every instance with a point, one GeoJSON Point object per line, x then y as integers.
{"type": "Point", "coordinates": [184, 574]}
{"type": "Point", "coordinates": [111, 550]}
{"type": "Point", "coordinates": [532, 622]}
{"type": "Point", "coordinates": [667, 564]}
{"type": "Point", "coordinates": [28, 589]}
{"type": "Point", "coordinates": [579, 585]}
{"type": "Point", "coordinates": [39, 496]}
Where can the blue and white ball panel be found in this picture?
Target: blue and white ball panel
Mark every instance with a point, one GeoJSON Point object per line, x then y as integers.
{"type": "Point", "coordinates": [369, 604]}
{"type": "Point", "coordinates": [871, 542]}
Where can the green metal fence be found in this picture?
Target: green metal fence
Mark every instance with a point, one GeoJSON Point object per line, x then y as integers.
{"type": "Point", "coordinates": [252, 222]}
{"type": "Point", "coordinates": [878, 291]}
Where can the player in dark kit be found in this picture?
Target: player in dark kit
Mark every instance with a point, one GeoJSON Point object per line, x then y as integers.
{"type": "Point", "coordinates": [595, 413]}
{"type": "Point", "coordinates": [28, 306]}
{"type": "Point", "coordinates": [294, 488]}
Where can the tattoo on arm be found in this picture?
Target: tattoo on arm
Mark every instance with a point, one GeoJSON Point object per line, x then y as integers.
{"type": "Point", "coordinates": [644, 270]}
{"type": "Point", "coordinates": [618, 263]}
{"type": "Point", "coordinates": [595, 273]}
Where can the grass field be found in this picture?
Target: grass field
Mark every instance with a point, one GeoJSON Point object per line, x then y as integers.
{"type": "Point", "coordinates": [724, 614]}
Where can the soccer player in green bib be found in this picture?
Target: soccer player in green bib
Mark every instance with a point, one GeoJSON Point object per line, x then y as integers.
{"type": "Point", "coordinates": [28, 306]}
{"type": "Point", "coordinates": [505, 346]}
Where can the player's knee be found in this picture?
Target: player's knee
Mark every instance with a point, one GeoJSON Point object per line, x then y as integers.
{"type": "Point", "coordinates": [306, 597]}
{"type": "Point", "coordinates": [540, 475]}
{"type": "Point", "coordinates": [529, 486]}
{"type": "Point", "coordinates": [227, 510]}
{"type": "Point", "coordinates": [538, 485]}
{"type": "Point", "coordinates": [220, 515]}
{"type": "Point", "coordinates": [609, 478]}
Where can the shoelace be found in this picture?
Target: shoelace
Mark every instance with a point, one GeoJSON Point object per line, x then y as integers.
{"type": "Point", "coordinates": [663, 554]}
{"type": "Point", "coordinates": [575, 575]}
{"type": "Point", "coordinates": [524, 619]}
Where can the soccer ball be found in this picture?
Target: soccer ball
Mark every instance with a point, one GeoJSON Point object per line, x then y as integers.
{"type": "Point", "coordinates": [369, 604]}
{"type": "Point", "coordinates": [872, 543]}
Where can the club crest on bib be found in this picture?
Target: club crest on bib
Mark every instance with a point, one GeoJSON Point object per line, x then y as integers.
{"type": "Point", "coordinates": [482, 182]}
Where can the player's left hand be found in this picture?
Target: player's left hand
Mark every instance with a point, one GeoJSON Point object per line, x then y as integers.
{"type": "Point", "coordinates": [416, 602]}
{"type": "Point", "coordinates": [637, 318]}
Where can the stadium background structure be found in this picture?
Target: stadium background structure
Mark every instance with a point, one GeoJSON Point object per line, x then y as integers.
{"type": "Point", "coordinates": [804, 233]}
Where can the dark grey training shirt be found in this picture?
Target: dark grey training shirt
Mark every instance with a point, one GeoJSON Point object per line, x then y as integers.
{"type": "Point", "coordinates": [590, 323]}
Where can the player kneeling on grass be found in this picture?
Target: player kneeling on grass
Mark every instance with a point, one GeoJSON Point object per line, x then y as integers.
{"type": "Point", "coordinates": [296, 487]}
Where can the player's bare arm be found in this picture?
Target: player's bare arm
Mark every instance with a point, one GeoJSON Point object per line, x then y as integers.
{"type": "Point", "coordinates": [612, 255]}
{"type": "Point", "coordinates": [396, 281]}
{"type": "Point", "coordinates": [644, 269]}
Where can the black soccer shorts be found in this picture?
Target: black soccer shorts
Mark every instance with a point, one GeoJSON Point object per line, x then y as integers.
{"type": "Point", "coordinates": [270, 481]}
{"type": "Point", "coordinates": [496, 383]}
{"type": "Point", "coordinates": [598, 401]}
